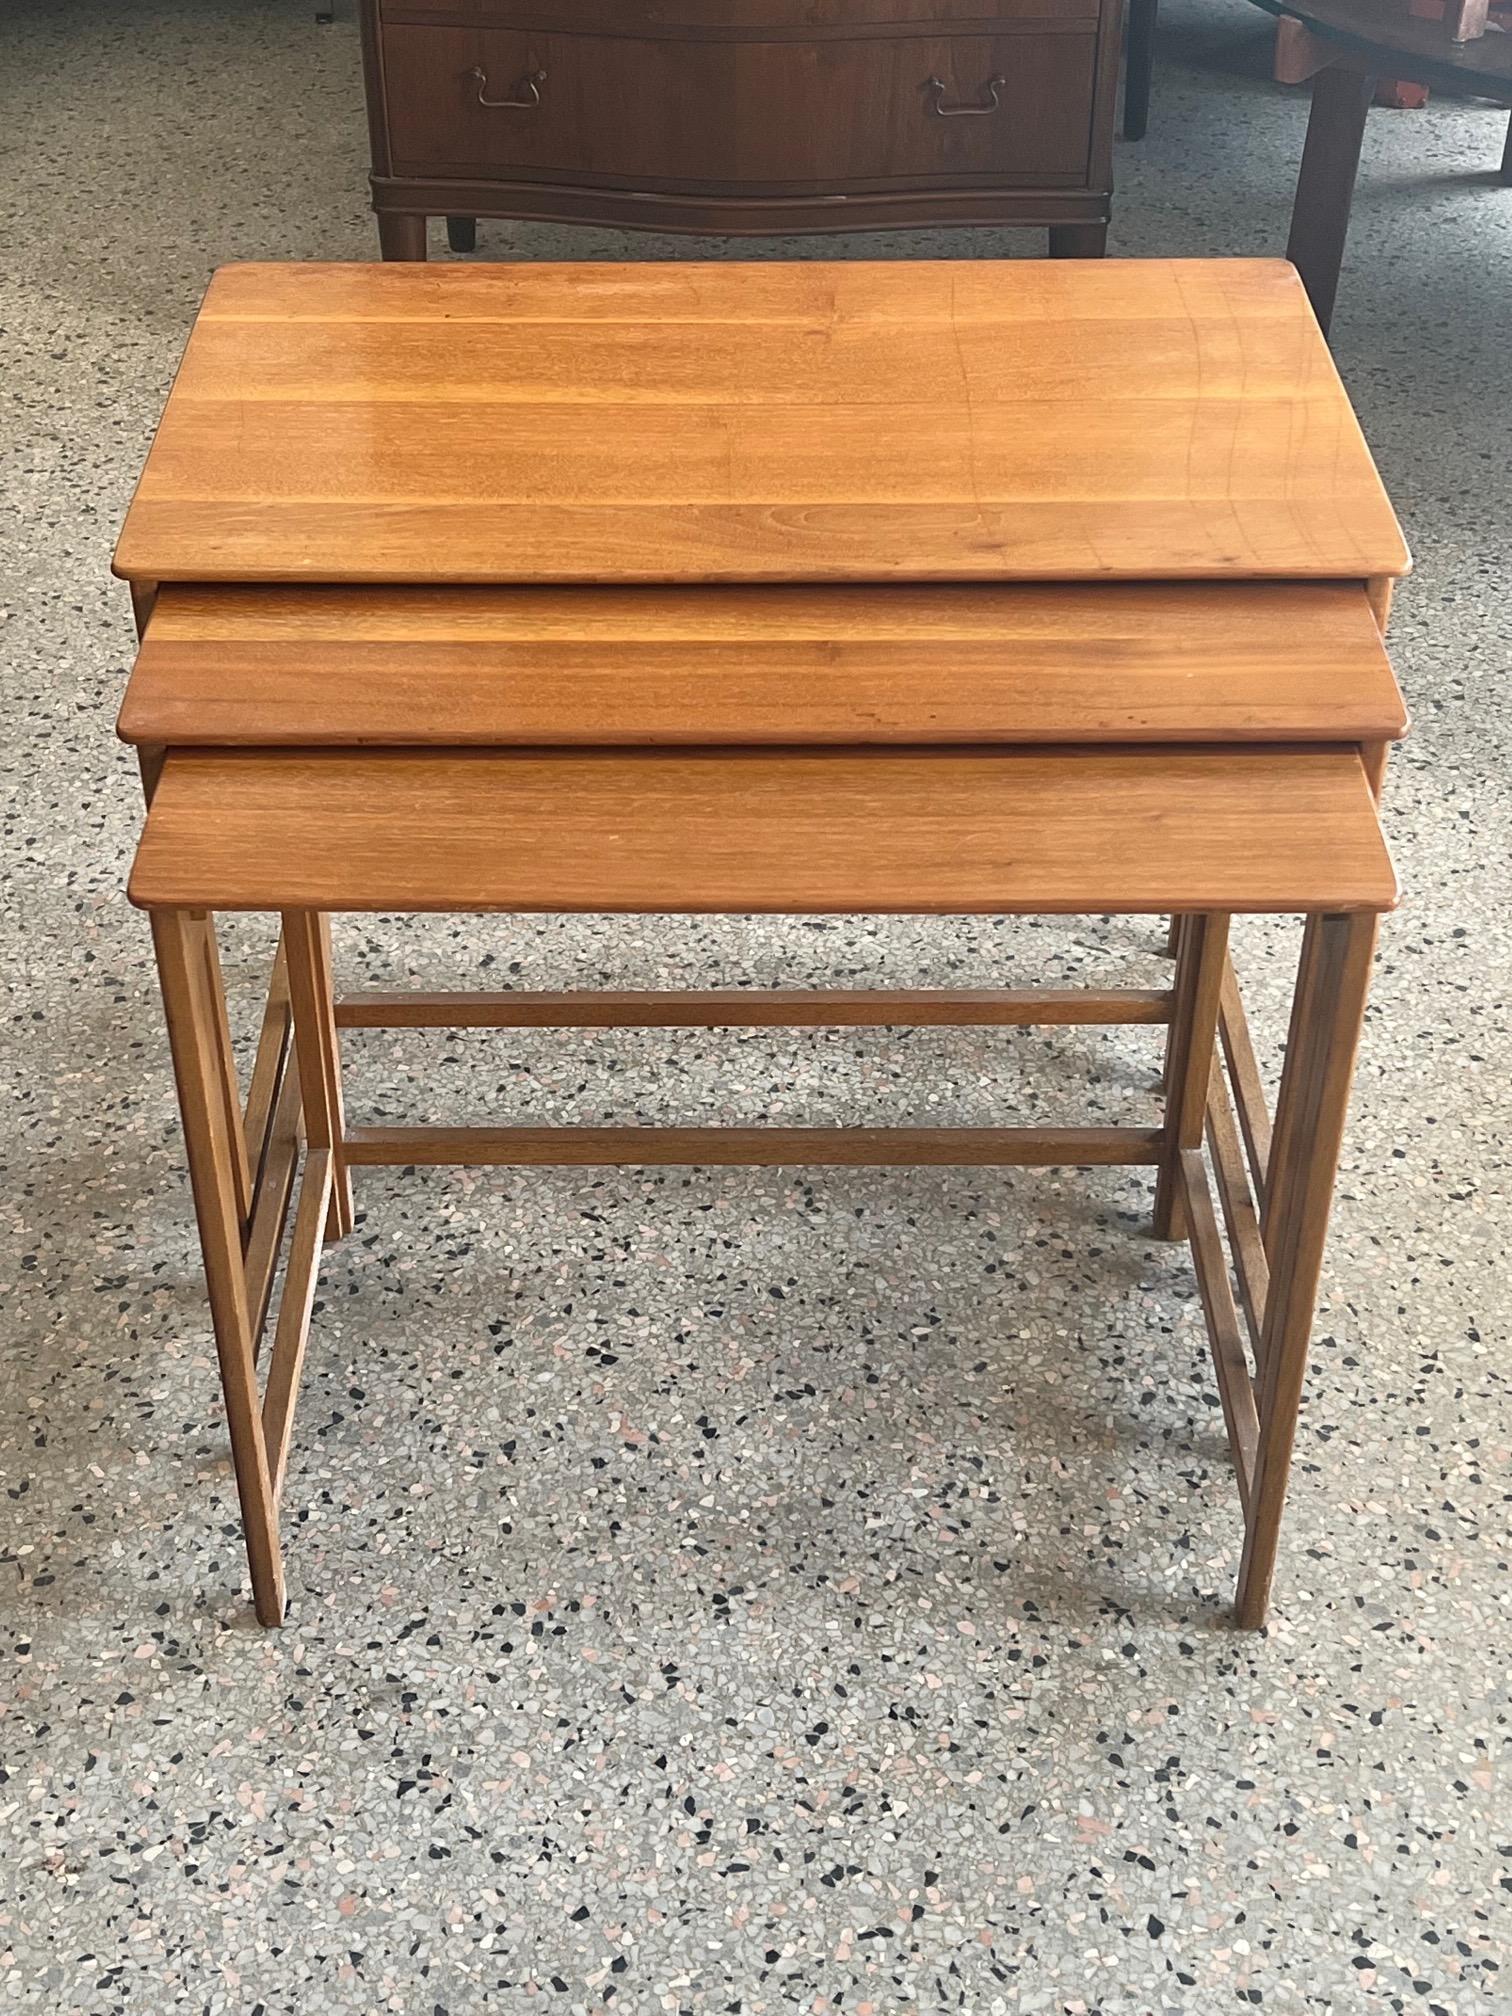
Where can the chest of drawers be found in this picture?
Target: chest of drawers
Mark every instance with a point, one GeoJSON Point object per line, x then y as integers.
{"type": "Point", "coordinates": [742, 116]}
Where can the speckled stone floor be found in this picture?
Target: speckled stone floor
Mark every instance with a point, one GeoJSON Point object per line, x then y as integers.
{"type": "Point", "coordinates": [735, 1591]}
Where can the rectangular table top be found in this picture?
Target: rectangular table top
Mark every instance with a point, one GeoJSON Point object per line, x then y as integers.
{"type": "Point", "coordinates": [1143, 661]}
{"type": "Point", "coordinates": [816, 421]}
{"type": "Point", "coordinates": [774, 830]}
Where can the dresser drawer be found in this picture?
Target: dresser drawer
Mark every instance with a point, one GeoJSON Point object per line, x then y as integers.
{"type": "Point", "coordinates": [735, 18]}
{"type": "Point", "coordinates": [736, 115]}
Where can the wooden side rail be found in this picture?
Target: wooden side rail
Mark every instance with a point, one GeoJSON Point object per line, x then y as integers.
{"type": "Point", "coordinates": [294, 1312]}
{"type": "Point", "coordinates": [1235, 1387]}
{"type": "Point", "coordinates": [753, 1147]}
{"type": "Point", "coordinates": [1244, 1076]}
{"type": "Point", "coordinates": [761, 1008]}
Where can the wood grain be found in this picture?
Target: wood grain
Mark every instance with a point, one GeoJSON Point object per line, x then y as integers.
{"type": "Point", "coordinates": [761, 1008]}
{"type": "Point", "coordinates": [815, 421]}
{"type": "Point", "coordinates": [754, 1147]}
{"type": "Point", "coordinates": [763, 112]}
{"type": "Point", "coordinates": [725, 18]}
{"type": "Point", "coordinates": [1119, 662]}
{"type": "Point", "coordinates": [195, 1037]}
{"type": "Point", "coordinates": [1235, 1391]}
{"type": "Point", "coordinates": [1081, 830]}
{"type": "Point", "coordinates": [1332, 985]}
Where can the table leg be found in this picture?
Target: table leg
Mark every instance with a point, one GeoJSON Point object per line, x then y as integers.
{"type": "Point", "coordinates": [1325, 185]}
{"type": "Point", "coordinates": [1332, 983]}
{"type": "Point", "coordinates": [194, 1032]}
{"type": "Point", "coordinates": [1506, 160]}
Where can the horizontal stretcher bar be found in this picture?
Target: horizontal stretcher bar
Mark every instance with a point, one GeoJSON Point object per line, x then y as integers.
{"type": "Point", "coordinates": [757, 1008]}
{"type": "Point", "coordinates": [774, 831]}
{"type": "Point", "coordinates": [753, 1147]}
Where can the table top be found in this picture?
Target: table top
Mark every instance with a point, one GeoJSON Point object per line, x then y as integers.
{"type": "Point", "coordinates": [945, 662]}
{"type": "Point", "coordinates": [675, 831]}
{"type": "Point", "coordinates": [1420, 50]}
{"type": "Point", "coordinates": [815, 421]}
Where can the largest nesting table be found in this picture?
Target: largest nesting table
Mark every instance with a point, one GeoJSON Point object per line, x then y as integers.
{"type": "Point", "coordinates": [940, 587]}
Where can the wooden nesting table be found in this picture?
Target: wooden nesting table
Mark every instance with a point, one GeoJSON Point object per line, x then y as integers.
{"type": "Point", "coordinates": [814, 588]}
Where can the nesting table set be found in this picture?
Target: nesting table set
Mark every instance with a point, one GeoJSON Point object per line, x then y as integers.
{"type": "Point", "coordinates": [944, 587]}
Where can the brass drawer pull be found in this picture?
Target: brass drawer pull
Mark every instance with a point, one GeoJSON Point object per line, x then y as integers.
{"type": "Point", "coordinates": [943, 111]}
{"type": "Point", "coordinates": [528, 88]}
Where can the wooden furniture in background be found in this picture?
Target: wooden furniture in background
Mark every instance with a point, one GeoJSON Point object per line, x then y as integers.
{"type": "Point", "coordinates": [1139, 66]}
{"type": "Point", "coordinates": [343, 450]}
{"type": "Point", "coordinates": [1371, 39]}
{"type": "Point", "coordinates": [742, 116]}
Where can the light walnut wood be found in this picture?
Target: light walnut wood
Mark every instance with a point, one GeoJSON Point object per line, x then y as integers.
{"type": "Point", "coordinates": [269, 1062]}
{"type": "Point", "coordinates": [194, 1031]}
{"type": "Point", "coordinates": [770, 830]}
{"type": "Point", "coordinates": [1244, 1076]}
{"type": "Point", "coordinates": [761, 1008]}
{"type": "Point", "coordinates": [1240, 1217]}
{"type": "Point", "coordinates": [241, 1167]}
{"type": "Point", "coordinates": [307, 948]}
{"type": "Point", "coordinates": [1201, 958]}
{"type": "Point", "coordinates": [1333, 981]}
{"type": "Point", "coordinates": [286, 1360]}
{"type": "Point", "coordinates": [813, 293]}
{"type": "Point", "coordinates": [917, 454]}
{"type": "Point", "coordinates": [817, 421]}
{"type": "Point", "coordinates": [275, 1188]}
{"type": "Point", "coordinates": [1235, 1391]}
{"type": "Point", "coordinates": [1267, 661]}
{"type": "Point", "coordinates": [754, 1147]}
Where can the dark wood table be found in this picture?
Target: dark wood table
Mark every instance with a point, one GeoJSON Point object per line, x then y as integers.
{"type": "Point", "coordinates": [1374, 38]}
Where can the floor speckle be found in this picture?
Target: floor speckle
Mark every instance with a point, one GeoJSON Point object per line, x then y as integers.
{"type": "Point", "coordinates": [741, 1591]}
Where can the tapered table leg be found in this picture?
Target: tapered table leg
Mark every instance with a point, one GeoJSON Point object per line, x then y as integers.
{"type": "Point", "coordinates": [194, 1031]}
{"type": "Point", "coordinates": [1333, 980]}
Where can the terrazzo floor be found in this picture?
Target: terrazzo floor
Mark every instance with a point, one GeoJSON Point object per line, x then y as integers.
{"type": "Point", "coordinates": [736, 1591]}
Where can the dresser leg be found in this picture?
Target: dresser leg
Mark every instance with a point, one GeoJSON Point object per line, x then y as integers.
{"type": "Point", "coordinates": [1139, 64]}
{"type": "Point", "coordinates": [401, 236]}
{"type": "Point", "coordinates": [1078, 241]}
{"type": "Point", "coordinates": [462, 234]}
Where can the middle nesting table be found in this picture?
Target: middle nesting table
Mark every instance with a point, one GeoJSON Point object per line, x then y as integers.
{"type": "Point", "coordinates": [330, 750]}
{"type": "Point", "coordinates": [1199, 664]}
